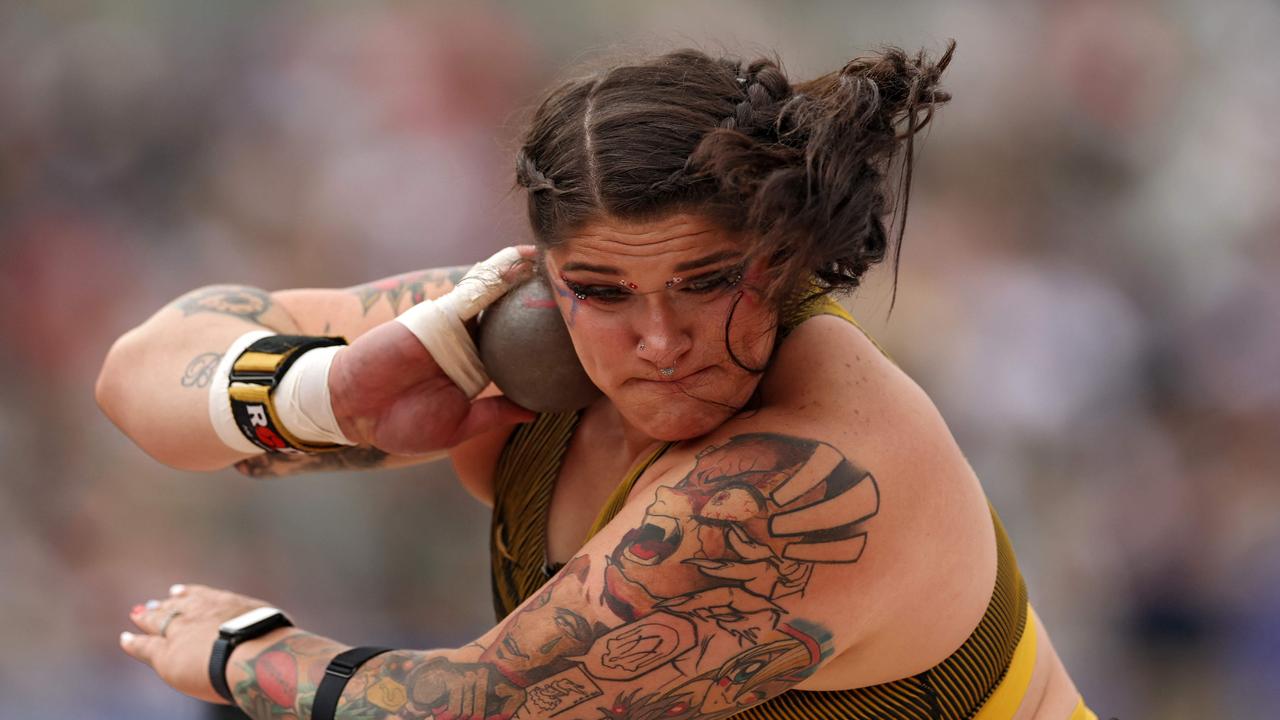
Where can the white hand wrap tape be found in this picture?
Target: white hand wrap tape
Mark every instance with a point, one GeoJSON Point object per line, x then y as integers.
{"type": "Point", "coordinates": [224, 423]}
{"type": "Point", "coordinates": [302, 398]}
{"type": "Point", "coordinates": [482, 284]}
{"type": "Point", "coordinates": [438, 323]}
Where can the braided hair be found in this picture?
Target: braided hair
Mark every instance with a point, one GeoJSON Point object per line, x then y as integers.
{"type": "Point", "coordinates": [800, 170]}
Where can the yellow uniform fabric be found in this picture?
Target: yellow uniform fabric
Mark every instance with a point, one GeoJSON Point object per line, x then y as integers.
{"type": "Point", "coordinates": [985, 678]}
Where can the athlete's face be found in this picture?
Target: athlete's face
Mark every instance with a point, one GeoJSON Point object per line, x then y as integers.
{"type": "Point", "coordinates": [641, 297]}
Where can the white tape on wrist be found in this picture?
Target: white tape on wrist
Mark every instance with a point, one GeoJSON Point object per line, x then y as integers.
{"type": "Point", "coordinates": [438, 323]}
{"type": "Point", "coordinates": [224, 424]}
{"type": "Point", "coordinates": [447, 339]}
{"type": "Point", "coordinates": [302, 398]}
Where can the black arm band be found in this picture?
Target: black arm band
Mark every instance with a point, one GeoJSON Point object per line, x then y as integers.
{"type": "Point", "coordinates": [254, 377]}
{"type": "Point", "coordinates": [340, 670]}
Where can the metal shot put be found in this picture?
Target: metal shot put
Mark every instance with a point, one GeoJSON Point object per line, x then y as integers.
{"type": "Point", "coordinates": [526, 349]}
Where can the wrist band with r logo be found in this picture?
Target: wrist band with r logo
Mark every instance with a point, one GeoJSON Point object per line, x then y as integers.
{"type": "Point", "coordinates": [255, 374]}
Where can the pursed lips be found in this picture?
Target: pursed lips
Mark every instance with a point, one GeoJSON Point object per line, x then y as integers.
{"type": "Point", "coordinates": [669, 380]}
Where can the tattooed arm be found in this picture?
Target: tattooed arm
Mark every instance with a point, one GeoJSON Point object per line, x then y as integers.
{"type": "Point", "coordinates": [154, 381]}
{"type": "Point", "coordinates": [716, 589]}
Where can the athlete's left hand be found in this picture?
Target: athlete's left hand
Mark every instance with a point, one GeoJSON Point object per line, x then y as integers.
{"type": "Point", "coordinates": [189, 617]}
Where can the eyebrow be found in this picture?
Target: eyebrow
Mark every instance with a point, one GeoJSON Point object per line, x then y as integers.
{"type": "Point", "coordinates": [688, 265]}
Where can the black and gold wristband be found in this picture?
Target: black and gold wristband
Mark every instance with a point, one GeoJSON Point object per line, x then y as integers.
{"type": "Point", "coordinates": [254, 377]}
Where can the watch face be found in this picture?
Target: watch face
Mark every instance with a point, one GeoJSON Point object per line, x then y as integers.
{"type": "Point", "coordinates": [241, 623]}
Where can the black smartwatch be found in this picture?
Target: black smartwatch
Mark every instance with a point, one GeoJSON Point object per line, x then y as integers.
{"type": "Point", "coordinates": [231, 633]}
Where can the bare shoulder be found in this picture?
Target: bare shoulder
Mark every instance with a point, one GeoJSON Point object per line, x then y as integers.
{"type": "Point", "coordinates": [828, 365]}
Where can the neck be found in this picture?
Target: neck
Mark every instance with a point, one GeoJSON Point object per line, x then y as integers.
{"type": "Point", "coordinates": [635, 442]}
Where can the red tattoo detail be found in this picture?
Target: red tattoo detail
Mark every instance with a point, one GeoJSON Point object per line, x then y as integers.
{"type": "Point", "coordinates": [815, 651]}
{"type": "Point", "coordinates": [277, 674]}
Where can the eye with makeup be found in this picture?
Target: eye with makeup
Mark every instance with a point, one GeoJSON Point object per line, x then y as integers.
{"type": "Point", "coordinates": [707, 284]}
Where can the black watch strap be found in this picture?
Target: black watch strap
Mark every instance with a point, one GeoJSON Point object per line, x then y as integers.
{"type": "Point", "coordinates": [336, 675]}
{"type": "Point", "coordinates": [218, 668]}
{"type": "Point", "coordinates": [227, 641]}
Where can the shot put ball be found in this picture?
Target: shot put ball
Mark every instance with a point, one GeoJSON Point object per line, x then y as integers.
{"type": "Point", "coordinates": [526, 349]}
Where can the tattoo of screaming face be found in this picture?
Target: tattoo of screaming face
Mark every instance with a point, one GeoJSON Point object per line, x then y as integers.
{"type": "Point", "coordinates": [742, 530]}
{"type": "Point", "coordinates": [697, 587]}
{"type": "Point", "coordinates": [702, 577]}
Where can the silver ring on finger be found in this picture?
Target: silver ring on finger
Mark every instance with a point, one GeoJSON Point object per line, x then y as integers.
{"type": "Point", "coordinates": [164, 624]}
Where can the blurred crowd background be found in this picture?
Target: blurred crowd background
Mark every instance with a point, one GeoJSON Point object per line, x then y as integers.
{"type": "Point", "coordinates": [1087, 290]}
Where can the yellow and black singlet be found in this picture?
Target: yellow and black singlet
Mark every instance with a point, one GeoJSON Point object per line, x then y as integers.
{"type": "Point", "coordinates": [985, 678]}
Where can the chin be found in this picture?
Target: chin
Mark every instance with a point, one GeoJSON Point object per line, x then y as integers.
{"type": "Point", "coordinates": [678, 417]}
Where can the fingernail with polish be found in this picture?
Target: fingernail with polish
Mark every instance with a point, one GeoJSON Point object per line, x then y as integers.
{"type": "Point", "coordinates": [126, 637]}
{"type": "Point", "coordinates": [137, 610]}
{"type": "Point", "coordinates": [177, 589]}
{"type": "Point", "coordinates": [153, 604]}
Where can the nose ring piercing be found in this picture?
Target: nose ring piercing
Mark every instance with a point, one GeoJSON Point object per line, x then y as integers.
{"type": "Point", "coordinates": [642, 345]}
{"type": "Point", "coordinates": [667, 372]}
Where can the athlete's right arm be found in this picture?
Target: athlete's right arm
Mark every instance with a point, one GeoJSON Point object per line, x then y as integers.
{"type": "Point", "coordinates": [154, 381]}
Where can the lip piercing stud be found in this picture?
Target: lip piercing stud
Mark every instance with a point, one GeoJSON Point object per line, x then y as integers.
{"type": "Point", "coordinates": [668, 372]}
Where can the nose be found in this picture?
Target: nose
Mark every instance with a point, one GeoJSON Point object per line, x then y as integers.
{"type": "Point", "coordinates": [664, 336]}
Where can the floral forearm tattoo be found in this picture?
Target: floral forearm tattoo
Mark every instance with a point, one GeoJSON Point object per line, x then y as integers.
{"type": "Point", "coordinates": [411, 287]}
{"type": "Point", "coordinates": [691, 615]}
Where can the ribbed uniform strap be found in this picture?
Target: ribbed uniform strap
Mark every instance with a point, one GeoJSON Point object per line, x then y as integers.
{"type": "Point", "coordinates": [336, 675]}
{"type": "Point", "coordinates": [523, 483]}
